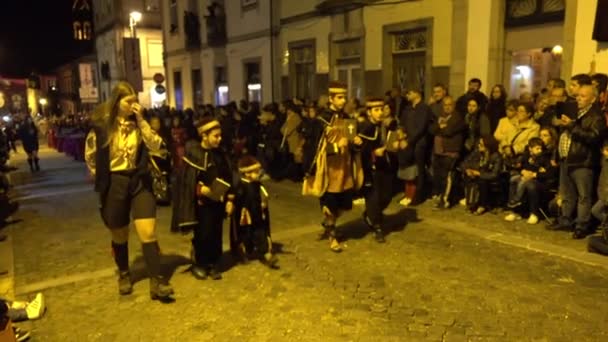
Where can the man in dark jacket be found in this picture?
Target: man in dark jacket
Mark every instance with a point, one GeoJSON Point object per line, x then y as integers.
{"type": "Point", "coordinates": [472, 93]}
{"type": "Point", "coordinates": [448, 131]}
{"type": "Point", "coordinates": [415, 121]}
{"type": "Point", "coordinates": [579, 155]}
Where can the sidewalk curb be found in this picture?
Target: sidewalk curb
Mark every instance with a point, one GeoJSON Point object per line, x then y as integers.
{"type": "Point", "coordinates": [7, 281]}
{"type": "Point", "coordinates": [583, 257]}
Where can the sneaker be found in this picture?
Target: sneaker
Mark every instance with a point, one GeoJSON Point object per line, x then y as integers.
{"type": "Point", "coordinates": [532, 219]}
{"type": "Point", "coordinates": [359, 201]}
{"type": "Point", "coordinates": [405, 201]}
{"type": "Point", "coordinates": [512, 217]}
{"type": "Point", "coordinates": [35, 309]}
{"type": "Point", "coordinates": [463, 202]}
{"type": "Point", "coordinates": [20, 334]}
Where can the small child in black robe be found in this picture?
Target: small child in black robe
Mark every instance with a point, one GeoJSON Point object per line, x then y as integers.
{"type": "Point", "coordinates": [250, 219]}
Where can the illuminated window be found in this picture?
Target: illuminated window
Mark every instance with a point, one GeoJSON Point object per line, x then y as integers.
{"type": "Point", "coordinates": [77, 30]}
{"type": "Point", "coordinates": [86, 30]}
{"type": "Point", "coordinates": [252, 81]}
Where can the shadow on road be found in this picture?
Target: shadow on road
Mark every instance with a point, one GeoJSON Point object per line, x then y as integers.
{"type": "Point", "coordinates": [169, 264]}
{"type": "Point", "coordinates": [395, 222]}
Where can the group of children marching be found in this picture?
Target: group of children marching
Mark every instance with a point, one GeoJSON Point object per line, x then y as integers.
{"type": "Point", "coordinates": [351, 158]}
{"type": "Point", "coordinates": [207, 194]}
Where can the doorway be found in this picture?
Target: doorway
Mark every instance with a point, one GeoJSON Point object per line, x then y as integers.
{"type": "Point", "coordinates": [409, 70]}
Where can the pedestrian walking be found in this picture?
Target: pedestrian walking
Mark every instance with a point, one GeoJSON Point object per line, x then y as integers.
{"type": "Point", "coordinates": [116, 152]}
{"type": "Point", "coordinates": [28, 133]}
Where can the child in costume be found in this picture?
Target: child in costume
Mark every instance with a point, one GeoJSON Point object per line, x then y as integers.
{"type": "Point", "coordinates": [250, 219]}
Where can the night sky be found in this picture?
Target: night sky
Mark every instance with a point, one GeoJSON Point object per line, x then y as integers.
{"type": "Point", "coordinates": [36, 35]}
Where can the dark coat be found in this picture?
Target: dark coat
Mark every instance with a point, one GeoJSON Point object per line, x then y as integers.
{"type": "Point", "coordinates": [489, 168]}
{"type": "Point", "coordinates": [374, 136]}
{"type": "Point", "coordinates": [201, 165]}
{"type": "Point", "coordinates": [453, 134]}
{"type": "Point", "coordinates": [415, 123]}
{"type": "Point", "coordinates": [602, 184]}
{"type": "Point", "coordinates": [496, 110]}
{"type": "Point", "coordinates": [463, 101]}
{"type": "Point", "coordinates": [28, 133]}
{"type": "Point", "coordinates": [586, 133]}
{"type": "Point", "coordinates": [249, 195]}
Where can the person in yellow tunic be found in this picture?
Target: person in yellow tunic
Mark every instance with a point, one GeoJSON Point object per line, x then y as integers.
{"type": "Point", "coordinates": [337, 163]}
{"type": "Point", "coordinates": [116, 153]}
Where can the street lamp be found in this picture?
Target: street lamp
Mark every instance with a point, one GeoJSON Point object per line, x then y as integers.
{"type": "Point", "coordinates": [134, 18]}
{"type": "Point", "coordinates": [43, 103]}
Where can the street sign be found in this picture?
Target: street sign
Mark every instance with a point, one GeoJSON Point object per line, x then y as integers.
{"type": "Point", "coordinates": [160, 89]}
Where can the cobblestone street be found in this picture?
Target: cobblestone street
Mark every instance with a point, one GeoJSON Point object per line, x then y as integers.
{"type": "Point", "coordinates": [441, 276]}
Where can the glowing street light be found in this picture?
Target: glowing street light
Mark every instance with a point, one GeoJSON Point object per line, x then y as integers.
{"type": "Point", "coordinates": [134, 18]}
{"type": "Point", "coordinates": [43, 103]}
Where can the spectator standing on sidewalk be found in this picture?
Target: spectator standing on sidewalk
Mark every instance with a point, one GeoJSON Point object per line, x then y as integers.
{"type": "Point", "coordinates": [579, 156]}
{"type": "Point", "coordinates": [116, 152]}
{"type": "Point", "coordinates": [28, 133]}
{"type": "Point", "coordinates": [448, 131]}
{"type": "Point", "coordinates": [472, 93]}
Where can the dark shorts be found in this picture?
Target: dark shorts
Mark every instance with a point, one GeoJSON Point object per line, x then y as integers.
{"type": "Point", "coordinates": [337, 201]}
{"type": "Point", "coordinates": [123, 199]}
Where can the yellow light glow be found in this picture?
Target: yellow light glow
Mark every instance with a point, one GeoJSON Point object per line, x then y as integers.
{"type": "Point", "coordinates": [42, 101]}
{"type": "Point", "coordinates": [135, 16]}
{"type": "Point", "coordinates": [557, 50]}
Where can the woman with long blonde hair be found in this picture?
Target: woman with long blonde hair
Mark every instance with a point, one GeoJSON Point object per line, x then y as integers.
{"type": "Point", "coordinates": [116, 153]}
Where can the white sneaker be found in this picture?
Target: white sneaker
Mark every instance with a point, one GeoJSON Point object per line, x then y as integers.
{"type": "Point", "coordinates": [405, 202]}
{"type": "Point", "coordinates": [463, 202]}
{"type": "Point", "coordinates": [512, 217]}
{"type": "Point", "coordinates": [36, 308]}
{"type": "Point", "coordinates": [533, 219]}
{"type": "Point", "coordinates": [359, 201]}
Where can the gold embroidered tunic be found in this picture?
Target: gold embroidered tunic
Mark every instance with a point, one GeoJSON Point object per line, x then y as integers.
{"type": "Point", "coordinates": [124, 144]}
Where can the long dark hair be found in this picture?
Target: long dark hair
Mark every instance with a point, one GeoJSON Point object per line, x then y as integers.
{"type": "Point", "coordinates": [106, 113]}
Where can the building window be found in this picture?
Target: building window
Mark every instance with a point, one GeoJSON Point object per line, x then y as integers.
{"type": "Point", "coordinates": [86, 30]}
{"type": "Point", "coordinates": [173, 26]}
{"type": "Point", "coordinates": [77, 30]}
{"type": "Point", "coordinates": [253, 83]}
{"type": "Point", "coordinates": [177, 88]}
{"type": "Point", "coordinates": [534, 12]}
{"type": "Point", "coordinates": [221, 87]}
{"type": "Point", "coordinates": [302, 66]}
{"type": "Point", "coordinates": [152, 5]}
{"type": "Point", "coordinates": [410, 41]}
{"type": "Point", "coordinates": [197, 87]}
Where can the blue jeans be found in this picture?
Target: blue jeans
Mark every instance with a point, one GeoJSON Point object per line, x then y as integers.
{"type": "Point", "coordinates": [576, 189]}
{"type": "Point", "coordinates": [517, 188]}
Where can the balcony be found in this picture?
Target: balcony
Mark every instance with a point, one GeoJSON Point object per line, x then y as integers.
{"type": "Point", "coordinates": [192, 28]}
{"type": "Point", "coordinates": [216, 30]}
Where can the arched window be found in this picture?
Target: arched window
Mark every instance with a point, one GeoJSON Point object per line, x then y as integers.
{"type": "Point", "coordinates": [87, 30]}
{"type": "Point", "coordinates": [77, 30]}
